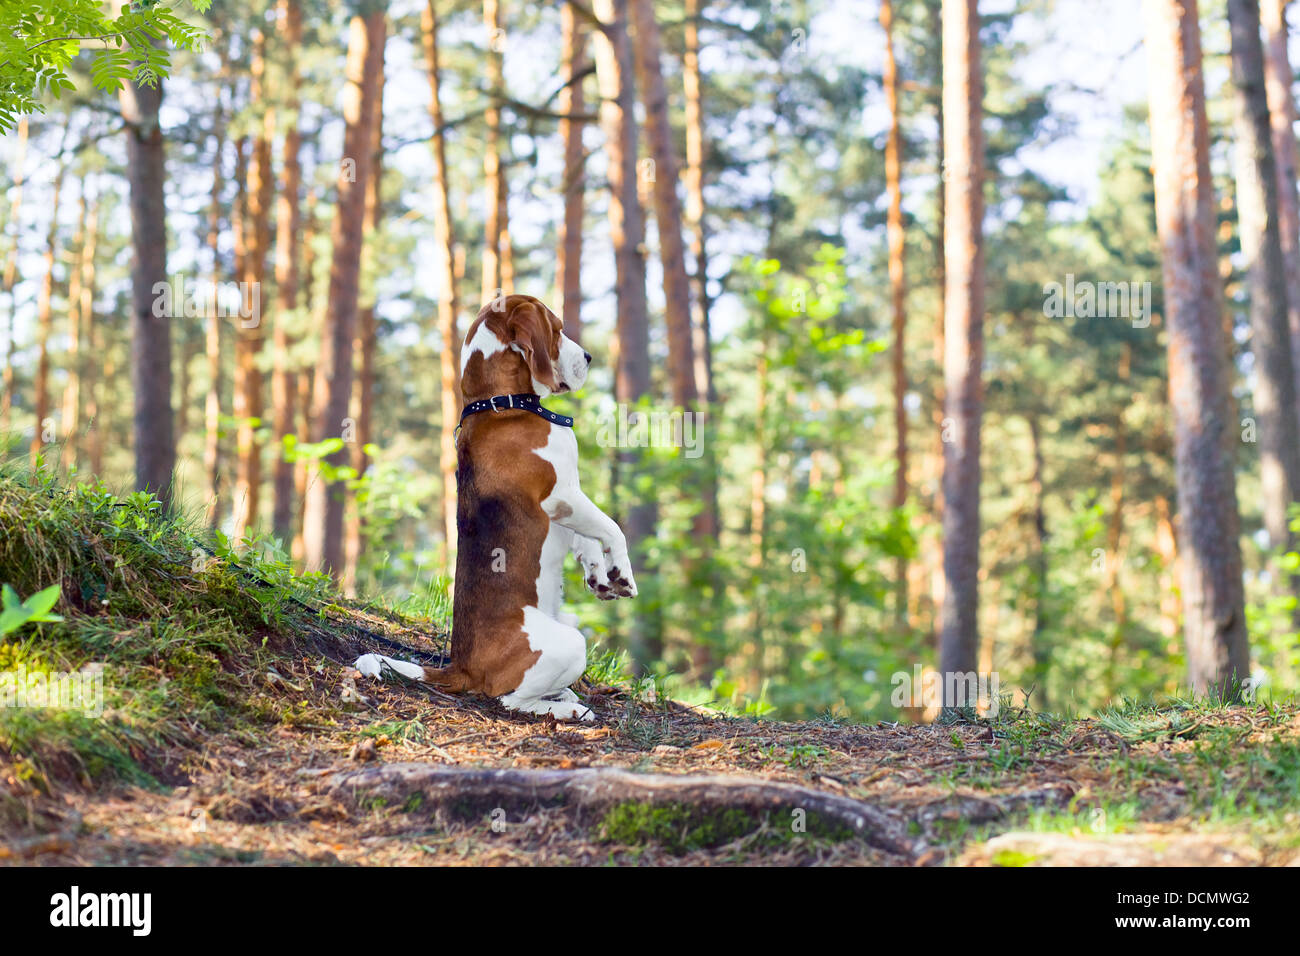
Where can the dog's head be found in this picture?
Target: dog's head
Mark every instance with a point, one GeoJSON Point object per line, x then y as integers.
{"type": "Point", "coordinates": [518, 345]}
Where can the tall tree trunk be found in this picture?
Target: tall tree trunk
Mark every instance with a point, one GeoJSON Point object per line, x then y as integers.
{"type": "Point", "coordinates": [288, 224]}
{"type": "Point", "coordinates": [897, 288]}
{"type": "Point", "coordinates": [929, 579]}
{"type": "Point", "coordinates": [100, 419]}
{"type": "Point", "coordinates": [758, 525]}
{"type": "Point", "coordinates": [1040, 647]}
{"type": "Point", "coordinates": [668, 210]}
{"type": "Point", "coordinates": [505, 249]}
{"type": "Point", "coordinates": [44, 323]}
{"type": "Point", "coordinates": [250, 334]}
{"type": "Point", "coordinates": [212, 335]}
{"type": "Point", "coordinates": [1115, 533]}
{"type": "Point", "coordinates": [85, 391]}
{"type": "Point", "coordinates": [614, 73]}
{"type": "Point", "coordinates": [448, 301]}
{"type": "Point", "coordinates": [963, 309]}
{"type": "Point", "coordinates": [151, 344]}
{"type": "Point", "coordinates": [1166, 546]}
{"type": "Point", "coordinates": [1218, 654]}
{"type": "Point", "coordinates": [366, 344]}
{"type": "Point", "coordinates": [306, 378]}
{"type": "Point", "coordinates": [707, 524]}
{"type": "Point", "coordinates": [89, 386]}
{"type": "Point", "coordinates": [189, 350]}
{"type": "Point", "coordinates": [80, 304]}
{"type": "Point", "coordinates": [1282, 118]}
{"type": "Point", "coordinates": [1261, 243]}
{"type": "Point", "coordinates": [323, 517]}
{"type": "Point", "coordinates": [647, 54]}
{"type": "Point", "coordinates": [11, 274]}
{"type": "Point", "coordinates": [568, 268]}
{"type": "Point", "coordinates": [493, 283]}
{"type": "Point", "coordinates": [239, 213]}
{"type": "Point", "coordinates": [694, 180]}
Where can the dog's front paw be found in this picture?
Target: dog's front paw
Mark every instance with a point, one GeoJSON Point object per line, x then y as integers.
{"type": "Point", "coordinates": [595, 569]}
{"type": "Point", "coordinates": [621, 582]}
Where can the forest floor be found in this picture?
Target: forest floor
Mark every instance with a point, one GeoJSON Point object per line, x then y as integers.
{"type": "Point", "coordinates": [236, 732]}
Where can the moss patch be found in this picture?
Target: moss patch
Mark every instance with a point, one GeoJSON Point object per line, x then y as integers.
{"type": "Point", "coordinates": [681, 828]}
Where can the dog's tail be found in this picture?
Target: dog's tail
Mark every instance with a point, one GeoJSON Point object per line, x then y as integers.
{"type": "Point", "coordinates": [447, 679]}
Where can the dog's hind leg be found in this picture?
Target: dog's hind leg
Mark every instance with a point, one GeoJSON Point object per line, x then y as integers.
{"type": "Point", "coordinates": [545, 685]}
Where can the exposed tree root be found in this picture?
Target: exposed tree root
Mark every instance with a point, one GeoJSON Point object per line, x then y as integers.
{"type": "Point", "coordinates": [986, 809]}
{"type": "Point", "coordinates": [480, 790]}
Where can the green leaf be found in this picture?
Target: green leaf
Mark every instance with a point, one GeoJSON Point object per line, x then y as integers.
{"type": "Point", "coordinates": [42, 601]}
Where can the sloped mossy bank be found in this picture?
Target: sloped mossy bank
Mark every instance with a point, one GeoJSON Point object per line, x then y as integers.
{"type": "Point", "coordinates": [164, 634]}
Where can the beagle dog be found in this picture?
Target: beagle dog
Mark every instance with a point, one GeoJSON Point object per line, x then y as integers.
{"type": "Point", "coordinates": [520, 512]}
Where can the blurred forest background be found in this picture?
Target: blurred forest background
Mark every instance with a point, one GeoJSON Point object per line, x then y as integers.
{"type": "Point", "coordinates": [842, 262]}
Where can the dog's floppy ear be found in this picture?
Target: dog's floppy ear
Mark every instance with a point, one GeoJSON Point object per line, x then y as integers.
{"type": "Point", "coordinates": [531, 334]}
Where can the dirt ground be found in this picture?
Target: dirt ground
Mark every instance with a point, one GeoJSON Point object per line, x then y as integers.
{"type": "Point", "coordinates": [955, 791]}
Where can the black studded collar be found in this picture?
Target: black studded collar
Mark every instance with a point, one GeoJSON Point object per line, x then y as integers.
{"type": "Point", "coordinates": [527, 402]}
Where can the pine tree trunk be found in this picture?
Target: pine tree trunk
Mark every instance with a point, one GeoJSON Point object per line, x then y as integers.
{"type": "Point", "coordinates": [963, 308]}
{"type": "Point", "coordinates": [1214, 620]}
{"type": "Point", "coordinates": [250, 334]}
{"type": "Point", "coordinates": [897, 289]}
{"type": "Point", "coordinates": [668, 210]}
{"type": "Point", "coordinates": [99, 418]}
{"type": "Point", "coordinates": [288, 222]}
{"type": "Point", "coordinates": [448, 301]}
{"type": "Point", "coordinates": [44, 324]}
{"type": "Point", "coordinates": [707, 524]}
{"type": "Point", "coordinates": [79, 306]}
{"type": "Point", "coordinates": [758, 526]}
{"type": "Point", "coordinates": [1282, 118]}
{"type": "Point", "coordinates": [568, 268]}
{"type": "Point", "coordinates": [323, 514]}
{"type": "Point", "coordinates": [239, 213]}
{"type": "Point", "coordinates": [11, 274]}
{"type": "Point", "coordinates": [1040, 646]}
{"type": "Point", "coordinates": [493, 283]}
{"type": "Point", "coordinates": [614, 73]}
{"type": "Point", "coordinates": [1166, 547]}
{"type": "Point", "coordinates": [212, 336]}
{"type": "Point", "coordinates": [366, 344]}
{"type": "Point", "coordinates": [306, 379]}
{"type": "Point", "coordinates": [694, 181]}
{"type": "Point", "coordinates": [189, 351]}
{"type": "Point", "coordinates": [1115, 532]}
{"type": "Point", "coordinates": [151, 344]}
{"type": "Point", "coordinates": [85, 378]}
{"type": "Point", "coordinates": [505, 249]}
{"type": "Point", "coordinates": [929, 569]}
{"type": "Point", "coordinates": [1261, 244]}
{"type": "Point", "coordinates": [647, 54]}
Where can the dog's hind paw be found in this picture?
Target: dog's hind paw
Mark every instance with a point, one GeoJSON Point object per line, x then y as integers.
{"type": "Point", "coordinates": [563, 709]}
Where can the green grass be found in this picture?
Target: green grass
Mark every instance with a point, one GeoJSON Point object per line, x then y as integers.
{"type": "Point", "coordinates": [182, 626]}
{"type": "Point", "coordinates": [431, 602]}
{"type": "Point", "coordinates": [1222, 767]}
